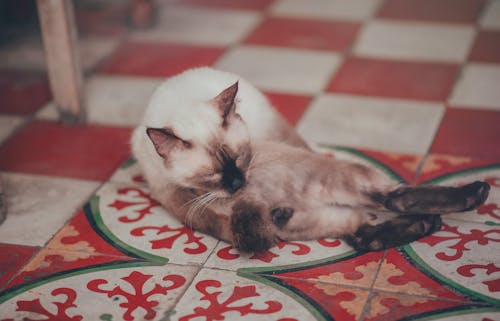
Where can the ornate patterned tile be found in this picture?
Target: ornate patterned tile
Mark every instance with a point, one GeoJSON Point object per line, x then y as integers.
{"type": "Point", "coordinates": [12, 259]}
{"type": "Point", "coordinates": [222, 295]}
{"type": "Point", "coordinates": [128, 293]}
{"type": "Point", "coordinates": [127, 214]}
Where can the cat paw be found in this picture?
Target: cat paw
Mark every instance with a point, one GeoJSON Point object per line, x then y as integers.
{"type": "Point", "coordinates": [475, 194]}
{"type": "Point", "coordinates": [250, 231]}
{"type": "Point", "coordinates": [396, 232]}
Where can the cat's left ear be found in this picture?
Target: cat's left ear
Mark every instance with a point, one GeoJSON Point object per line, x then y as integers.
{"type": "Point", "coordinates": [225, 102]}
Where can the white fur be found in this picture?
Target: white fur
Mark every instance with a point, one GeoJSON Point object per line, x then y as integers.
{"type": "Point", "coordinates": [181, 103]}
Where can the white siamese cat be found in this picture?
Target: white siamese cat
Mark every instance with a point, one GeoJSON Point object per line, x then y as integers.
{"type": "Point", "coordinates": [220, 158]}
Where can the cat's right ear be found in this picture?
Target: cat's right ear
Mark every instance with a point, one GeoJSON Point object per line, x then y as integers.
{"type": "Point", "coordinates": [165, 141]}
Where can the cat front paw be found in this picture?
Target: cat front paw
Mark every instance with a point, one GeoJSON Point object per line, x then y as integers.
{"type": "Point", "coordinates": [251, 232]}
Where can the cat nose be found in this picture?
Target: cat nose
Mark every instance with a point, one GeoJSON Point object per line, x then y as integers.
{"type": "Point", "coordinates": [236, 184]}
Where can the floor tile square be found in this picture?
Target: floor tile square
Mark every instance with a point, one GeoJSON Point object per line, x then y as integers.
{"type": "Point", "coordinates": [292, 107]}
{"type": "Point", "coordinates": [23, 92]}
{"type": "Point", "coordinates": [467, 132]}
{"type": "Point", "coordinates": [38, 206]}
{"type": "Point", "coordinates": [491, 16]}
{"type": "Point", "coordinates": [486, 47]}
{"type": "Point", "coordinates": [304, 33]}
{"type": "Point", "coordinates": [390, 78]}
{"type": "Point", "coordinates": [86, 152]}
{"type": "Point", "coordinates": [381, 124]}
{"type": "Point", "coordinates": [28, 54]}
{"type": "Point", "coordinates": [292, 71]}
{"type": "Point", "coordinates": [478, 87]}
{"type": "Point", "coordinates": [392, 307]}
{"type": "Point", "coordinates": [456, 11]}
{"type": "Point", "coordinates": [327, 9]}
{"type": "Point", "coordinates": [118, 100]}
{"type": "Point", "coordinates": [231, 4]}
{"type": "Point", "coordinates": [415, 41]}
{"type": "Point", "coordinates": [7, 125]}
{"type": "Point", "coordinates": [199, 25]}
{"type": "Point", "coordinates": [107, 19]}
{"type": "Point", "coordinates": [113, 100]}
{"type": "Point", "coordinates": [158, 59]}
{"type": "Point", "coordinates": [223, 295]}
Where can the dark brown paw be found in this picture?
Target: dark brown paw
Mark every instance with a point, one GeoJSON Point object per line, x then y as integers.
{"type": "Point", "coordinates": [396, 232]}
{"type": "Point", "coordinates": [250, 231]}
{"type": "Point", "coordinates": [475, 194]}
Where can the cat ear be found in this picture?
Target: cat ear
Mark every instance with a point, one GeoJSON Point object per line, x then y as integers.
{"type": "Point", "coordinates": [225, 101]}
{"type": "Point", "coordinates": [164, 141]}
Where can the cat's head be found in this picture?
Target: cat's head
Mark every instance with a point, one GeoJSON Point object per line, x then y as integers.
{"type": "Point", "coordinates": [208, 151]}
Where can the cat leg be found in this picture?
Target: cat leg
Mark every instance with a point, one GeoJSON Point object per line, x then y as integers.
{"type": "Point", "coordinates": [434, 199]}
{"type": "Point", "coordinates": [398, 231]}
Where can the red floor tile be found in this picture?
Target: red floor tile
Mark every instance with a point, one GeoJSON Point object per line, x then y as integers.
{"type": "Point", "coordinates": [86, 152]}
{"type": "Point", "coordinates": [158, 59]}
{"type": "Point", "coordinates": [231, 4]}
{"type": "Point", "coordinates": [486, 47]}
{"type": "Point", "coordinates": [302, 33]}
{"type": "Point", "coordinates": [23, 92]}
{"type": "Point", "coordinates": [414, 80]}
{"type": "Point", "coordinates": [12, 259]}
{"type": "Point", "coordinates": [461, 11]}
{"type": "Point", "coordinates": [290, 106]}
{"type": "Point", "coordinates": [474, 133]}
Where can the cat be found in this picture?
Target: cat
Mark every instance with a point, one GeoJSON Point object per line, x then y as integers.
{"type": "Point", "coordinates": [218, 156]}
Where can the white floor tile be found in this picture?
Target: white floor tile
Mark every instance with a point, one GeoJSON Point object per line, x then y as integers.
{"type": "Point", "coordinates": [112, 100]}
{"type": "Point", "coordinates": [382, 124]}
{"type": "Point", "coordinates": [204, 26]}
{"type": "Point", "coordinates": [478, 87]}
{"type": "Point", "coordinates": [415, 41]}
{"type": "Point", "coordinates": [7, 125]}
{"type": "Point", "coordinates": [491, 16]}
{"type": "Point", "coordinates": [28, 54]}
{"type": "Point", "coordinates": [326, 9]}
{"type": "Point", "coordinates": [38, 206]}
{"type": "Point", "coordinates": [282, 70]}
{"type": "Point", "coordinates": [118, 100]}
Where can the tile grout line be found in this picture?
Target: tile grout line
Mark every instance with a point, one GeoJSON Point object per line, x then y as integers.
{"type": "Point", "coordinates": [366, 307]}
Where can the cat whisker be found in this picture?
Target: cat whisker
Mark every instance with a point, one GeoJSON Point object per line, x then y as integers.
{"type": "Point", "coordinates": [198, 206]}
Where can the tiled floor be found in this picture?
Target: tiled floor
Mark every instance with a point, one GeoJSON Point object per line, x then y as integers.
{"type": "Point", "coordinates": [410, 86]}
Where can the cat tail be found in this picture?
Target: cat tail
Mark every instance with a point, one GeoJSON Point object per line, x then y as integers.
{"type": "Point", "coordinates": [433, 199]}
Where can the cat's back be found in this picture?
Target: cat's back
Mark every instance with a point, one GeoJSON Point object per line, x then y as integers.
{"type": "Point", "coordinates": [186, 92]}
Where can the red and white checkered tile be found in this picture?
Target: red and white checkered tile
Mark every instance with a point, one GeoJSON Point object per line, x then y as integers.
{"type": "Point", "coordinates": [408, 86]}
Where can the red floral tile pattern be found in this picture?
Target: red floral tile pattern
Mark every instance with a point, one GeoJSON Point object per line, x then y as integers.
{"type": "Point", "coordinates": [461, 11]}
{"type": "Point", "coordinates": [473, 133]}
{"type": "Point", "coordinates": [389, 78]}
{"type": "Point", "coordinates": [87, 152]}
{"type": "Point", "coordinates": [12, 259]}
{"type": "Point", "coordinates": [302, 33]}
{"type": "Point", "coordinates": [23, 92]}
{"type": "Point", "coordinates": [158, 59]}
{"type": "Point", "coordinates": [486, 47]}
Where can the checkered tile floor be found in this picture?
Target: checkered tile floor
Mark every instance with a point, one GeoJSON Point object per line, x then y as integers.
{"type": "Point", "coordinates": [411, 86]}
